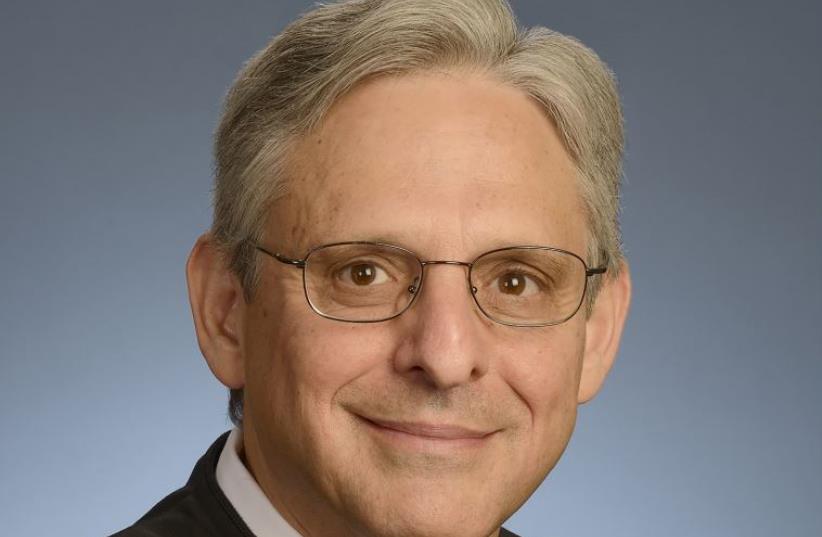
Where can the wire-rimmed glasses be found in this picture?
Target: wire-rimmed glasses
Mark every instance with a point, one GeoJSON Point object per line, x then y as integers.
{"type": "Point", "coordinates": [368, 282]}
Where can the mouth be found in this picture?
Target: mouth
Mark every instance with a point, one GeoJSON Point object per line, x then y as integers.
{"type": "Point", "coordinates": [427, 435]}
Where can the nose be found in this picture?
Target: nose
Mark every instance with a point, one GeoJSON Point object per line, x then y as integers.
{"type": "Point", "coordinates": [444, 332]}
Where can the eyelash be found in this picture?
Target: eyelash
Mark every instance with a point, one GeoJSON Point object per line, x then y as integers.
{"type": "Point", "coordinates": [337, 271]}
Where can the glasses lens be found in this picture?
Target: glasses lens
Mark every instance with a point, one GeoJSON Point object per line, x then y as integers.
{"type": "Point", "coordinates": [360, 281]}
{"type": "Point", "coordinates": [529, 286]}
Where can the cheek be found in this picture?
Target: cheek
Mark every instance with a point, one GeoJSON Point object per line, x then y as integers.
{"type": "Point", "coordinates": [544, 370]}
{"type": "Point", "coordinates": [301, 361]}
{"type": "Point", "coordinates": [545, 362]}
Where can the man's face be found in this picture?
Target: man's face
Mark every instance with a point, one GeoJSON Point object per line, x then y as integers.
{"type": "Point", "coordinates": [440, 418]}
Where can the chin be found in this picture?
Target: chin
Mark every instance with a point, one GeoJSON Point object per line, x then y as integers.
{"type": "Point", "coordinates": [431, 524]}
{"type": "Point", "coordinates": [430, 510]}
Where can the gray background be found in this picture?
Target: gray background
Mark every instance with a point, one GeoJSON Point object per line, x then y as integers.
{"type": "Point", "coordinates": [709, 424]}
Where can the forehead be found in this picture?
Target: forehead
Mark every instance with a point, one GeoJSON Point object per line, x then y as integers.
{"type": "Point", "coordinates": [442, 164]}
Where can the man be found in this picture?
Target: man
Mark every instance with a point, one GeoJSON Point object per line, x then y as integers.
{"type": "Point", "coordinates": [413, 277]}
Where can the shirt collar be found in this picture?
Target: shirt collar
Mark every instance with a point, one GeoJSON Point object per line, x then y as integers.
{"type": "Point", "coordinates": [245, 494]}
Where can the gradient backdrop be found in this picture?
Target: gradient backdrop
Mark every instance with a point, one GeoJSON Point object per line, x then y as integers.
{"type": "Point", "coordinates": [709, 425]}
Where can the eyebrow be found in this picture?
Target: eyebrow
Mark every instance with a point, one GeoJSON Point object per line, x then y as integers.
{"type": "Point", "coordinates": [402, 241]}
{"type": "Point", "coordinates": [392, 239]}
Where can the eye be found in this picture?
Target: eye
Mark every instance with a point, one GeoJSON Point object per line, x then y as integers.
{"type": "Point", "coordinates": [517, 284]}
{"type": "Point", "coordinates": [363, 274]}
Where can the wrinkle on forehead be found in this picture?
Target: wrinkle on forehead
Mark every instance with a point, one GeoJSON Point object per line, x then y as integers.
{"type": "Point", "coordinates": [444, 164]}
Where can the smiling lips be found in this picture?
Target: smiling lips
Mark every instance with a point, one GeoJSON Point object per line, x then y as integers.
{"type": "Point", "coordinates": [430, 431]}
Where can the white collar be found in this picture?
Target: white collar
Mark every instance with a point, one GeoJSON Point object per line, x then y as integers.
{"type": "Point", "coordinates": [245, 494]}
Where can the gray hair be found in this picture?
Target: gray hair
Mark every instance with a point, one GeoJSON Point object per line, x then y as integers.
{"type": "Point", "coordinates": [286, 89]}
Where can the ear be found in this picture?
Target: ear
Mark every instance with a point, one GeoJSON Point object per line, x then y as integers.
{"type": "Point", "coordinates": [217, 304]}
{"type": "Point", "coordinates": [603, 331]}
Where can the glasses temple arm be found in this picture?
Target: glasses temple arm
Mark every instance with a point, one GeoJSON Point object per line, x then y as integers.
{"type": "Point", "coordinates": [283, 259]}
{"type": "Point", "coordinates": [594, 271]}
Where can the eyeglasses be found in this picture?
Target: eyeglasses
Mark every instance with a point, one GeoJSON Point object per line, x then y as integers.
{"type": "Point", "coordinates": [369, 282]}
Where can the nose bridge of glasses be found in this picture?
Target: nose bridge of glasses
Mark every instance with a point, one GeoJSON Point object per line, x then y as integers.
{"type": "Point", "coordinates": [445, 262]}
{"type": "Point", "coordinates": [416, 285]}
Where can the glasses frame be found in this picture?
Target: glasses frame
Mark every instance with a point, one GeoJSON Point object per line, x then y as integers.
{"type": "Point", "coordinates": [415, 290]}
